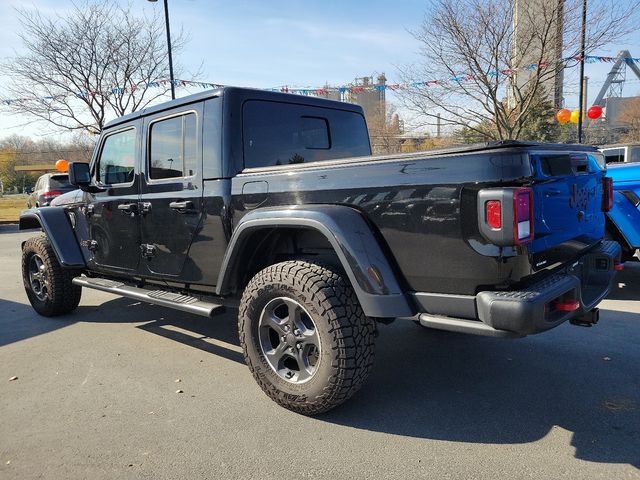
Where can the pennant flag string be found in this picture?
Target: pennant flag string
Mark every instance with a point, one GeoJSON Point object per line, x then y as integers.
{"type": "Point", "coordinates": [324, 91]}
{"type": "Point", "coordinates": [116, 91]}
{"type": "Point", "coordinates": [455, 79]}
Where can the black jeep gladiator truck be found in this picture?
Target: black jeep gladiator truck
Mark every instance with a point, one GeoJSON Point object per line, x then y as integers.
{"type": "Point", "coordinates": [275, 201]}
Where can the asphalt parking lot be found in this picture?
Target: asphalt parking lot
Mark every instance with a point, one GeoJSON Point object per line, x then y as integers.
{"type": "Point", "coordinates": [95, 397]}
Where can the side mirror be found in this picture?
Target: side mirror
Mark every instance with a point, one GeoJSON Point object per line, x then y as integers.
{"type": "Point", "coordinates": [79, 174]}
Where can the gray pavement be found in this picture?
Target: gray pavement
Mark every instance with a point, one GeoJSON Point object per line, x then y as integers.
{"type": "Point", "coordinates": [96, 398]}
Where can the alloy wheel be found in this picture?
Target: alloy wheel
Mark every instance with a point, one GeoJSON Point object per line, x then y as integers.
{"type": "Point", "coordinates": [289, 340]}
{"type": "Point", "coordinates": [39, 277]}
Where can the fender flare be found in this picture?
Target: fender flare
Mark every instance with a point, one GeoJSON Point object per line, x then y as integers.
{"type": "Point", "coordinates": [57, 227]}
{"type": "Point", "coordinates": [625, 217]}
{"type": "Point", "coordinates": [353, 241]}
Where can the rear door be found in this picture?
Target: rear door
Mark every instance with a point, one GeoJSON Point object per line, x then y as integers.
{"type": "Point", "coordinates": [568, 202]}
{"type": "Point", "coordinates": [171, 190]}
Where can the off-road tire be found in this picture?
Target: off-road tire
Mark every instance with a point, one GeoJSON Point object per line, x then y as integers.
{"type": "Point", "coordinates": [62, 296]}
{"type": "Point", "coordinates": [346, 335]}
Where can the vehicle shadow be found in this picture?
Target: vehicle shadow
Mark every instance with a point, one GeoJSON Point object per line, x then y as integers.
{"type": "Point", "coordinates": [19, 321]}
{"type": "Point", "coordinates": [445, 386]}
{"type": "Point", "coordinates": [454, 387]}
{"type": "Point", "coordinates": [218, 335]}
{"type": "Point", "coordinates": [461, 388]}
{"type": "Point", "coordinates": [9, 228]}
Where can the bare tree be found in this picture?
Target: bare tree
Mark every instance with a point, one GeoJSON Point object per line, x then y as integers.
{"type": "Point", "coordinates": [12, 153]}
{"type": "Point", "coordinates": [17, 150]}
{"type": "Point", "coordinates": [97, 62]}
{"type": "Point", "coordinates": [489, 63]}
{"type": "Point", "coordinates": [630, 117]}
{"type": "Point", "coordinates": [384, 129]}
{"type": "Point", "coordinates": [422, 142]}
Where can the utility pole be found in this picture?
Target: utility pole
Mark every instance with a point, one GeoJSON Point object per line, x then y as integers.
{"type": "Point", "coordinates": [166, 20]}
{"type": "Point", "coordinates": [582, 54]}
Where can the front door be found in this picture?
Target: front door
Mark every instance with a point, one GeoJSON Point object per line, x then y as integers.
{"type": "Point", "coordinates": [112, 216]}
{"type": "Point", "coordinates": [171, 191]}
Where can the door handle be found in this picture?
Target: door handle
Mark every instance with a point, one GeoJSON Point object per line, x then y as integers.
{"type": "Point", "coordinates": [131, 208]}
{"type": "Point", "coordinates": [552, 192]}
{"type": "Point", "coordinates": [182, 205]}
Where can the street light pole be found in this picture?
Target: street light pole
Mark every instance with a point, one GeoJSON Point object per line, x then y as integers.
{"type": "Point", "coordinates": [582, 52]}
{"type": "Point", "coordinates": [166, 19]}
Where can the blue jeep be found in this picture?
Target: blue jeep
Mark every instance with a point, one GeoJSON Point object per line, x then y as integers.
{"type": "Point", "coordinates": [623, 220]}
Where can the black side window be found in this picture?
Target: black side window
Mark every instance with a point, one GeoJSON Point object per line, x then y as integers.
{"type": "Point", "coordinates": [556, 165]}
{"type": "Point", "coordinates": [173, 147]}
{"type": "Point", "coordinates": [283, 133]}
{"type": "Point", "coordinates": [117, 158]}
{"type": "Point", "coordinates": [563, 165]}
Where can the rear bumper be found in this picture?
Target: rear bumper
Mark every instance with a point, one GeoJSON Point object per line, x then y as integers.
{"type": "Point", "coordinates": [533, 309]}
{"type": "Point", "coordinates": [578, 287]}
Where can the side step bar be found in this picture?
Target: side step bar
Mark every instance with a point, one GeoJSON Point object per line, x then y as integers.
{"type": "Point", "coordinates": [163, 298]}
{"type": "Point", "coordinates": [474, 327]}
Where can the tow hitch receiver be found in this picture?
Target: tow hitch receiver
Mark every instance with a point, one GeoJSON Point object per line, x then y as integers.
{"type": "Point", "coordinates": [589, 319]}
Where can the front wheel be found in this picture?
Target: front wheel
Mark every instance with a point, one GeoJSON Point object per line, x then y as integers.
{"type": "Point", "coordinates": [47, 284]}
{"type": "Point", "coordinates": [305, 337]}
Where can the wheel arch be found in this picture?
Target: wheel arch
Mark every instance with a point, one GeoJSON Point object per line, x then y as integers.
{"type": "Point", "coordinates": [341, 232]}
{"type": "Point", "coordinates": [623, 220]}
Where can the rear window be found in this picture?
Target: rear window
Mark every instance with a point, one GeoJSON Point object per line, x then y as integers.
{"type": "Point", "coordinates": [614, 155]}
{"type": "Point", "coordinates": [567, 164]}
{"type": "Point", "coordinates": [283, 133]}
{"type": "Point", "coordinates": [59, 181]}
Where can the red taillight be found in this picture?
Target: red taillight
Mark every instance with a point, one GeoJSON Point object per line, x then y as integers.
{"type": "Point", "coordinates": [607, 194]}
{"type": "Point", "coordinates": [493, 209]}
{"type": "Point", "coordinates": [51, 193]}
{"type": "Point", "coordinates": [522, 216]}
{"type": "Point", "coordinates": [567, 306]}
{"type": "Point", "coordinates": [618, 267]}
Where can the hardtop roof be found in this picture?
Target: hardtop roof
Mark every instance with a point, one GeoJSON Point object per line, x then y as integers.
{"type": "Point", "coordinates": [240, 92]}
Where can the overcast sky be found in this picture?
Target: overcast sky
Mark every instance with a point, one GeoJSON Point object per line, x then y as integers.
{"type": "Point", "coordinates": [297, 43]}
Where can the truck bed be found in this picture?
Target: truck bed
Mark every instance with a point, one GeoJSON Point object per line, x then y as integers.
{"type": "Point", "coordinates": [424, 205]}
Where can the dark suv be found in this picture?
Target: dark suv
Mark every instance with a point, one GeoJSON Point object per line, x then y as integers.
{"type": "Point", "coordinates": [48, 187]}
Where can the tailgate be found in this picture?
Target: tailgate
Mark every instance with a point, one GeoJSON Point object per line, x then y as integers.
{"type": "Point", "coordinates": [568, 212]}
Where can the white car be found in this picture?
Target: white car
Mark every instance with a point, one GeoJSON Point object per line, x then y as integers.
{"type": "Point", "coordinates": [622, 152]}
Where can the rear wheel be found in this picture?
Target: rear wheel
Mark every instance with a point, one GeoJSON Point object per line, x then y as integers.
{"type": "Point", "coordinates": [47, 284]}
{"type": "Point", "coordinates": [305, 337]}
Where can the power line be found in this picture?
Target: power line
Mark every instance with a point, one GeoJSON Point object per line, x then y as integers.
{"type": "Point", "coordinates": [42, 152]}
